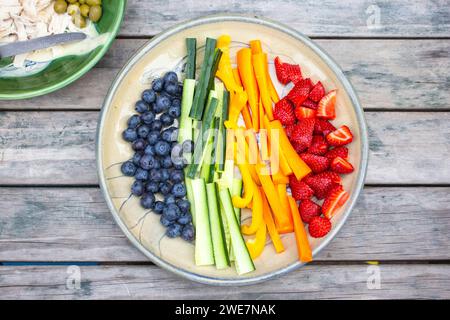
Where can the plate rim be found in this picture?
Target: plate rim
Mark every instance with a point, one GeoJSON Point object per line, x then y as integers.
{"type": "Point", "coordinates": [325, 58]}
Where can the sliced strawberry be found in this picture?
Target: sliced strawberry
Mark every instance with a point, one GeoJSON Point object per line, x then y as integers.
{"type": "Point", "coordinates": [317, 92]}
{"type": "Point", "coordinates": [316, 163]}
{"type": "Point", "coordinates": [308, 209]}
{"type": "Point", "coordinates": [341, 165]}
{"type": "Point", "coordinates": [309, 104]}
{"type": "Point", "coordinates": [321, 184]}
{"type": "Point", "coordinates": [281, 72]}
{"type": "Point", "coordinates": [299, 189]}
{"type": "Point", "coordinates": [299, 93]}
{"type": "Point", "coordinates": [319, 146]}
{"type": "Point", "coordinates": [337, 152]}
{"type": "Point", "coordinates": [287, 72]}
{"type": "Point", "coordinates": [319, 227]}
{"type": "Point", "coordinates": [304, 113]}
{"type": "Point", "coordinates": [340, 137]}
{"type": "Point", "coordinates": [336, 199]}
{"type": "Point", "coordinates": [302, 134]}
{"type": "Point", "coordinates": [326, 108]}
{"type": "Point", "coordinates": [284, 112]}
{"type": "Point", "coordinates": [323, 126]}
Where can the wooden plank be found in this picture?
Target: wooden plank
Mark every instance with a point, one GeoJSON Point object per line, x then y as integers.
{"type": "Point", "coordinates": [74, 224]}
{"type": "Point", "coordinates": [57, 148]}
{"type": "Point", "coordinates": [355, 18]}
{"type": "Point", "coordinates": [387, 74]}
{"type": "Point", "coordinates": [149, 282]}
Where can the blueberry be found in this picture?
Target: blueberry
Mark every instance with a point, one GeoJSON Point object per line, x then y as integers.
{"type": "Point", "coordinates": [166, 223]}
{"type": "Point", "coordinates": [177, 176]}
{"type": "Point", "coordinates": [184, 219]}
{"type": "Point", "coordinates": [152, 186]}
{"type": "Point", "coordinates": [128, 168]}
{"type": "Point", "coordinates": [174, 111]}
{"type": "Point", "coordinates": [129, 135]}
{"type": "Point", "coordinates": [134, 121]}
{"type": "Point", "coordinates": [171, 88]}
{"type": "Point", "coordinates": [147, 162]}
{"type": "Point", "coordinates": [179, 190]}
{"type": "Point", "coordinates": [184, 205]}
{"type": "Point", "coordinates": [179, 90]}
{"type": "Point", "coordinates": [165, 187]}
{"type": "Point", "coordinates": [166, 119]}
{"type": "Point", "coordinates": [162, 103]}
{"type": "Point", "coordinates": [188, 232]}
{"type": "Point", "coordinates": [153, 137]}
{"type": "Point", "coordinates": [157, 164]}
{"type": "Point", "coordinates": [148, 117]}
{"type": "Point", "coordinates": [136, 158]}
{"type": "Point", "coordinates": [155, 175]}
{"type": "Point", "coordinates": [143, 131]}
{"type": "Point", "coordinates": [162, 148]}
{"type": "Point", "coordinates": [150, 150]}
{"type": "Point", "coordinates": [141, 106]}
{"type": "Point", "coordinates": [170, 199]}
{"type": "Point", "coordinates": [177, 157]}
{"type": "Point", "coordinates": [169, 134]}
{"type": "Point", "coordinates": [156, 125]}
{"type": "Point", "coordinates": [158, 84]}
{"type": "Point", "coordinates": [137, 188]}
{"type": "Point", "coordinates": [176, 103]}
{"type": "Point", "coordinates": [170, 77]}
{"type": "Point", "coordinates": [149, 96]}
{"type": "Point", "coordinates": [141, 174]}
{"type": "Point", "coordinates": [171, 212]}
{"type": "Point", "coordinates": [148, 200]}
{"type": "Point", "coordinates": [159, 207]}
{"type": "Point", "coordinates": [165, 174]}
{"type": "Point", "coordinates": [138, 145]}
{"type": "Point", "coordinates": [166, 162]}
{"type": "Point", "coordinates": [174, 230]}
{"type": "Point", "coordinates": [188, 146]}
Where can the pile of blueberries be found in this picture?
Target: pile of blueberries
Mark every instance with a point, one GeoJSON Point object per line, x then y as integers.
{"type": "Point", "coordinates": [158, 162]}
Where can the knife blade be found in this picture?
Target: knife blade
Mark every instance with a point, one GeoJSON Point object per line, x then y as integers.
{"type": "Point", "coordinates": [18, 47]}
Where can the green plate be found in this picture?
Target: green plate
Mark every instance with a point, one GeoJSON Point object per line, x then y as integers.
{"type": "Point", "coordinates": [65, 70]}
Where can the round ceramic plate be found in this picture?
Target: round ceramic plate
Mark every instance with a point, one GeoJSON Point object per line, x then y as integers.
{"type": "Point", "coordinates": [65, 70]}
{"type": "Point", "coordinates": [166, 52]}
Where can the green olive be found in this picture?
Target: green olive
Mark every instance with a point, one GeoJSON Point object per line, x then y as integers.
{"type": "Point", "coordinates": [71, 1]}
{"type": "Point", "coordinates": [79, 21]}
{"type": "Point", "coordinates": [94, 2]}
{"type": "Point", "coordinates": [84, 10]}
{"type": "Point", "coordinates": [60, 6]}
{"type": "Point", "coordinates": [73, 9]}
{"type": "Point", "coordinates": [95, 13]}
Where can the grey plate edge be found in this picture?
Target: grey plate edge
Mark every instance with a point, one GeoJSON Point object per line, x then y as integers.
{"type": "Point", "coordinates": [324, 56]}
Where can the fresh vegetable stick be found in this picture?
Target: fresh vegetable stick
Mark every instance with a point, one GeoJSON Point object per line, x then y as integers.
{"type": "Point", "coordinates": [191, 45]}
{"type": "Point", "coordinates": [259, 66]}
{"type": "Point", "coordinates": [273, 92]}
{"type": "Point", "coordinates": [225, 71]}
{"type": "Point", "coordinates": [244, 61]}
{"type": "Point", "coordinates": [257, 214]}
{"type": "Point", "coordinates": [245, 113]}
{"type": "Point", "coordinates": [280, 178]}
{"type": "Point", "coordinates": [255, 46]}
{"type": "Point", "coordinates": [281, 189]}
{"type": "Point", "coordinates": [268, 219]}
{"type": "Point", "coordinates": [237, 77]}
{"type": "Point", "coordinates": [238, 101]}
{"type": "Point", "coordinates": [256, 245]}
{"type": "Point", "coordinates": [249, 188]}
{"type": "Point", "coordinates": [265, 156]}
{"type": "Point", "coordinates": [303, 247]}
{"type": "Point", "coordinates": [243, 145]}
{"type": "Point", "coordinates": [261, 114]}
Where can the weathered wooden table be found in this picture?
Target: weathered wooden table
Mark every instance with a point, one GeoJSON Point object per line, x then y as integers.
{"type": "Point", "coordinates": [55, 227]}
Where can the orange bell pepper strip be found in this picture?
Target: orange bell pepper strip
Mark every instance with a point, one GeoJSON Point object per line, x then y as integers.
{"type": "Point", "coordinates": [280, 178]}
{"type": "Point", "coordinates": [303, 247]}
{"type": "Point", "coordinates": [244, 61]}
{"type": "Point", "coordinates": [282, 218]}
{"type": "Point", "coordinates": [281, 189]}
{"type": "Point", "coordinates": [257, 214]}
{"type": "Point", "coordinates": [245, 112]}
{"type": "Point", "coordinates": [238, 101]}
{"type": "Point", "coordinates": [282, 161]}
{"type": "Point", "coordinates": [255, 46]}
{"type": "Point", "coordinates": [259, 66]}
{"type": "Point", "coordinates": [273, 92]}
{"type": "Point", "coordinates": [256, 245]}
{"type": "Point", "coordinates": [265, 155]}
{"type": "Point", "coordinates": [268, 219]}
{"type": "Point", "coordinates": [298, 166]}
{"type": "Point", "coordinates": [225, 71]}
{"type": "Point", "coordinates": [249, 188]}
{"type": "Point", "coordinates": [237, 76]}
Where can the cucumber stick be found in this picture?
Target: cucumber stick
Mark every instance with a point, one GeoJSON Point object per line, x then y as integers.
{"type": "Point", "coordinates": [243, 261]}
{"type": "Point", "coordinates": [204, 254]}
{"type": "Point", "coordinates": [190, 197]}
{"type": "Point", "coordinates": [217, 233]}
{"type": "Point", "coordinates": [185, 128]}
{"type": "Point", "coordinates": [236, 190]}
{"type": "Point", "coordinates": [191, 46]}
{"type": "Point", "coordinates": [208, 162]}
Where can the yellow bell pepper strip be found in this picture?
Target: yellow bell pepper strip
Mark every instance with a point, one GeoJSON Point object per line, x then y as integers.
{"type": "Point", "coordinates": [245, 113]}
{"type": "Point", "coordinates": [256, 245]}
{"type": "Point", "coordinates": [273, 92]}
{"type": "Point", "coordinates": [249, 188]}
{"type": "Point", "coordinates": [257, 214]}
{"type": "Point", "coordinates": [303, 247]}
{"type": "Point", "coordinates": [255, 46]}
{"type": "Point", "coordinates": [298, 166]}
{"type": "Point", "coordinates": [268, 219]}
{"type": "Point", "coordinates": [238, 101]}
{"type": "Point", "coordinates": [282, 218]}
{"type": "Point", "coordinates": [237, 76]}
{"type": "Point", "coordinates": [280, 178]}
{"type": "Point", "coordinates": [259, 66]}
{"type": "Point", "coordinates": [281, 189]}
{"type": "Point", "coordinates": [244, 61]}
{"type": "Point", "coordinates": [282, 161]}
{"type": "Point", "coordinates": [261, 114]}
{"type": "Point", "coordinates": [265, 156]}
{"type": "Point", "coordinates": [225, 71]}
{"type": "Point", "coordinates": [240, 137]}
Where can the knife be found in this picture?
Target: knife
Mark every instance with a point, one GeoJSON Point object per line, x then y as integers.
{"type": "Point", "coordinates": [19, 47]}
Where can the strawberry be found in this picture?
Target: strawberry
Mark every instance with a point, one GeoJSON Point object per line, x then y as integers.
{"type": "Point", "coordinates": [303, 113]}
{"type": "Point", "coordinates": [287, 72]}
{"type": "Point", "coordinates": [308, 209]}
{"type": "Point", "coordinates": [323, 126]}
{"type": "Point", "coordinates": [289, 129]}
{"type": "Point", "coordinates": [316, 163]}
{"type": "Point", "coordinates": [299, 93]}
{"type": "Point", "coordinates": [340, 137]}
{"type": "Point", "coordinates": [282, 75]}
{"type": "Point", "coordinates": [335, 178]}
{"type": "Point", "coordinates": [336, 199]}
{"type": "Point", "coordinates": [284, 112]}
{"type": "Point", "coordinates": [302, 134]}
{"type": "Point", "coordinates": [337, 152]}
{"type": "Point", "coordinates": [317, 92]}
{"type": "Point", "coordinates": [309, 104]}
{"type": "Point", "coordinates": [319, 227]}
{"type": "Point", "coordinates": [341, 165]}
{"type": "Point", "coordinates": [318, 146]}
{"type": "Point", "coordinates": [299, 189]}
{"type": "Point", "coordinates": [326, 108]}
{"type": "Point", "coordinates": [321, 184]}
